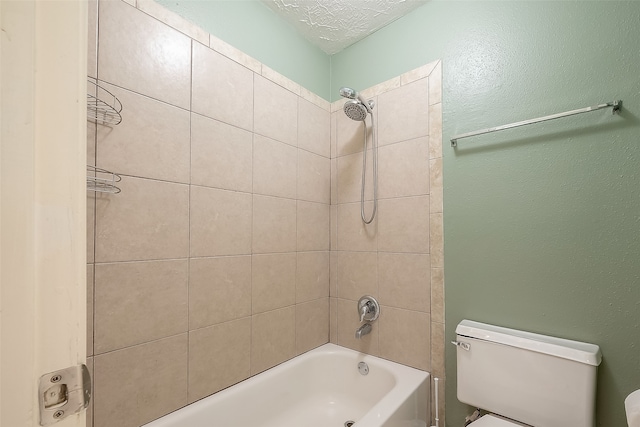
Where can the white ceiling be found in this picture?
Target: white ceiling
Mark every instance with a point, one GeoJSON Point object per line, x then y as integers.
{"type": "Point", "coordinates": [333, 25]}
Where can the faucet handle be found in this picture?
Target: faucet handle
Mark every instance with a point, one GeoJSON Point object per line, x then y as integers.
{"type": "Point", "coordinates": [363, 312]}
{"type": "Point", "coordinates": [368, 308]}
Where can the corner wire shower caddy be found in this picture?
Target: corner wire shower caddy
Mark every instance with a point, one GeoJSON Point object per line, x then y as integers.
{"type": "Point", "coordinates": [103, 108]}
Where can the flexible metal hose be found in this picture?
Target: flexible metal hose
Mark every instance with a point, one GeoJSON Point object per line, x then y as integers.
{"type": "Point", "coordinates": [374, 149]}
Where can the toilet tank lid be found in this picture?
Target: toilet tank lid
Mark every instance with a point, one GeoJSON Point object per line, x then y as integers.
{"type": "Point", "coordinates": [559, 347]}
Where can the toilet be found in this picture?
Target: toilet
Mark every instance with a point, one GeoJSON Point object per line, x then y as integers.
{"type": "Point", "coordinates": [525, 379]}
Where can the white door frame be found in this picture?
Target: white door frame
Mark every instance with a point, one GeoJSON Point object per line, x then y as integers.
{"type": "Point", "coordinates": [43, 57]}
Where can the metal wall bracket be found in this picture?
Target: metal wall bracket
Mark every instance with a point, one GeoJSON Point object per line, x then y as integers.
{"type": "Point", "coordinates": [463, 345]}
{"type": "Point", "coordinates": [63, 393]}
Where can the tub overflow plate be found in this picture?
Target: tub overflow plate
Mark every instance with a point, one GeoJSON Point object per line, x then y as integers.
{"type": "Point", "coordinates": [363, 368]}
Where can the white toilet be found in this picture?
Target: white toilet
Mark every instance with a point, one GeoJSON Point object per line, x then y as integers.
{"type": "Point", "coordinates": [525, 379]}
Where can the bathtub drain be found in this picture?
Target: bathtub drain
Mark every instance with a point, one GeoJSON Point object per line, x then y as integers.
{"type": "Point", "coordinates": [349, 423]}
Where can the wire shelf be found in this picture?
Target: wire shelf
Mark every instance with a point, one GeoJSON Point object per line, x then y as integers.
{"type": "Point", "coordinates": [102, 181]}
{"type": "Point", "coordinates": [102, 105]}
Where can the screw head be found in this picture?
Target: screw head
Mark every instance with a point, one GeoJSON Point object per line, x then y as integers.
{"type": "Point", "coordinates": [56, 378]}
{"type": "Point", "coordinates": [58, 414]}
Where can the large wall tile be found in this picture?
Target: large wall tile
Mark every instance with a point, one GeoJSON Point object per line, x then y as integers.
{"type": "Point", "coordinates": [273, 338]}
{"type": "Point", "coordinates": [275, 111]}
{"type": "Point", "coordinates": [334, 181]}
{"type": "Point", "coordinates": [312, 324]}
{"type": "Point", "coordinates": [350, 134]}
{"type": "Point", "coordinates": [147, 220]}
{"type": "Point", "coordinates": [142, 54]}
{"type": "Point", "coordinates": [404, 225]}
{"type": "Point", "coordinates": [357, 274]}
{"type": "Point", "coordinates": [436, 191]}
{"type": "Point", "coordinates": [91, 142]}
{"type": "Point", "coordinates": [436, 240]}
{"type": "Point", "coordinates": [273, 283]}
{"type": "Point", "coordinates": [435, 131]}
{"type": "Point", "coordinates": [92, 39]}
{"type": "Point", "coordinates": [437, 295]}
{"type": "Point", "coordinates": [333, 320]}
{"type": "Point", "coordinates": [221, 155]}
{"type": "Point", "coordinates": [138, 302]}
{"type": "Point", "coordinates": [274, 167]}
{"type": "Point", "coordinates": [333, 212]}
{"type": "Point", "coordinates": [334, 134]}
{"type": "Point", "coordinates": [404, 168]}
{"type": "Point", "coordinates": [412, 101]}
{"type": "Point", "coordinates": [313, 226]}
{"type": "Point", "coordinates": [312, 276]}
{"type": "Point", "coordinates": [349, 178]}
{"type": "Point", "coordinates": [139, 384]}
{"type": "Point", "coordinates": [91, 226]}
{"type": "Point", "coordinates": [313, 128]}
{"type": "Point", "coordinates": [314, 177]}
{"type": "Point", "coordinates": [219, 356]}
{"type": "Point", "coordinates": [353, 233]}
{"type": "Point", "coordinates": [220, 222]}
{"type": "Point", "coordinates": [405, 337]}
{"type": "Point", "coordinates": [405, 280]}
{"type": "Point", "coordinates": [333, 274]}
{"type": "Point", "coordinates": [274, 224]}
{"type": "Point", "coordinates": [90, 269]}
{"type": "Point", "coordinates": [219, 290]}
{"type": "Point", "coordinates": [222, 89]}
{"type": "Point", "coordinates": [152, 141]}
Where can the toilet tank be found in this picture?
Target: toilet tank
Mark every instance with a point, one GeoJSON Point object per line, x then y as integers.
{"type": "Point", "coordinates": [534, 379]}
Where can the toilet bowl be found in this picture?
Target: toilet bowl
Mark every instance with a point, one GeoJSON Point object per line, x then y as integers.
{"type": "Point", "coordinates": [525, 379]}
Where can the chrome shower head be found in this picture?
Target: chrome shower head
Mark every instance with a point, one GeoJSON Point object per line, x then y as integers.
{"type": "Point", "coordinates": [355, 110]}
{"type": "Point", "coordinates": [357, 107]}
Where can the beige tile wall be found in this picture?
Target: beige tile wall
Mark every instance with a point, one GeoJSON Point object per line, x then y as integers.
{"type": "Point", "coordinates": [236, 242]}
{"type": "Point", "coordinates": [212, 264]}
{"type": "Point", "coordinates": [398, 258]}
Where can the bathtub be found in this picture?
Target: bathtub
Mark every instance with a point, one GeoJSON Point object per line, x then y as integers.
{"type": "Point", "coordinates": [320, 388]}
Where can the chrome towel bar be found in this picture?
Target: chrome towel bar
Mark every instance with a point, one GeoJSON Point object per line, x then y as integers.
{"type": "Point", "coordinates": [617, 105]}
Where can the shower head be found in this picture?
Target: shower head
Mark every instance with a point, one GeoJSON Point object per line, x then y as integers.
{"type": "Point", "coordinates": [355, 110]}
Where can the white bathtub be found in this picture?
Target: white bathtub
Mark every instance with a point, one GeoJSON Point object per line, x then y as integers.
{"type": "Point", "coordinates": [320, 388]}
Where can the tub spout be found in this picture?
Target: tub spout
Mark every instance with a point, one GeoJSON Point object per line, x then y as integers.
{"type": "Point", "coordinates": [363, 330]}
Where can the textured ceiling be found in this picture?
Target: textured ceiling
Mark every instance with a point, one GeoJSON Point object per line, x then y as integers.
{"type": "Point", "coordinates": [332, 25]}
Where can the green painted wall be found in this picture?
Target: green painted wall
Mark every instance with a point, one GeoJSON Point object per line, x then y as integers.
{"type": "Point", "coordinates": [256, 30]}
{"type": "Point", "coordinates": [542, 223]}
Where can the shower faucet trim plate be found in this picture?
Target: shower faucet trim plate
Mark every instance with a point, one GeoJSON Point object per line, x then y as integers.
{"type": "Point", "coordinates": [368, 308]}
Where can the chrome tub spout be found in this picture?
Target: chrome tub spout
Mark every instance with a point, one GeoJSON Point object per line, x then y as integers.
{"type": "Point", "coordinates": [363, 330]}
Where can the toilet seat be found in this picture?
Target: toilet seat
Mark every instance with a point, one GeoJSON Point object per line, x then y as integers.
{"type": "Point", "coordinates": [491, 420]}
